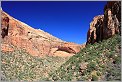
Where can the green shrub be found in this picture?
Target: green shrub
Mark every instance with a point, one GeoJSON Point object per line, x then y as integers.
{"type": "Point", "coordinates": [91, 66]}
{"type": "Point", "coordinates": [94, 78]}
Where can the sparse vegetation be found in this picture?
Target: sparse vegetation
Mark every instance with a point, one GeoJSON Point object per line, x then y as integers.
{"type": "Point", "coordinates": [19, 65]}
{"type": "Point", "coordinates": [102, 62]}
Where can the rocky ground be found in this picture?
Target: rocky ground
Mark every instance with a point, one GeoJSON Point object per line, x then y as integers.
{"type": "Point", "coordinates": [21, 66]}
{"type": "Point", "coordinates": [100, 61]}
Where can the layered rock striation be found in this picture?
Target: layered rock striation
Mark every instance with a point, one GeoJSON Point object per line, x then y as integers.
{"type": "Point", "coordinates": [36, 42]}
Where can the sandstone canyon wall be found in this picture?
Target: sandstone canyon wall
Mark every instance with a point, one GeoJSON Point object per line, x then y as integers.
{"type": "Point", "coordinates": [36, 42]}
{"type": "Point", "coordinates": [107, 25]}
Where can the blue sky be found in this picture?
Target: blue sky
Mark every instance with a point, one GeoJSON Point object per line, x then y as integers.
{"type": "Point", "coordinates": [68, 21]}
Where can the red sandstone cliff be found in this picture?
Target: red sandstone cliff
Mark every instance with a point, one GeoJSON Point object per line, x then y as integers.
{"type": "Point", "coordinates": [107, 25]}
{"type": "Point", "coordinates": [36, 42]}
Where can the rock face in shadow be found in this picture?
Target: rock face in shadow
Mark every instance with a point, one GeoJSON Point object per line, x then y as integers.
{"type": "Point", "coordinates": [36, 42]}
{"type": "Point", "coordinates": [107, 25]}
{"type": "Point", "coordinates": [95, 33]}
{"type": "Point", "coordinates": [5, 26]}
{"type": "Point", "coordinates": [112, 19]}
